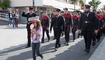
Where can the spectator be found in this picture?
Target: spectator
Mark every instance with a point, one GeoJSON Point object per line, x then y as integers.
{"type": "Point", "coordinates": [10, 18]}
{"type": "Point", "coordinates": [36, 35]}
{"type": "Point", "coordinates": [13, 18]}
{"type": "Point", "coordinates": [17, 19]}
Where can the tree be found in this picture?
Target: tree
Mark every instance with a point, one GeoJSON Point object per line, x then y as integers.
{"type": "Point", "coordinates": [95, 4]}
{"type": "Point", "coordinates": [1, 5]}
{"type": "Point", "coordinates": [5, 4]}
{"type": "Point", "coordinates": [81, 3]}
{"type": "Point", "coordinates": [74, 2]}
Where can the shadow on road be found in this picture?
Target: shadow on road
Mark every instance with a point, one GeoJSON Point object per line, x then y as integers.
{"type": "Point", "coordinates": [74, 52]}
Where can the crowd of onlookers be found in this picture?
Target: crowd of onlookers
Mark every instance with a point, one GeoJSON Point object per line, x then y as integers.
{"type": "Point", "coordinates": [13, 18]}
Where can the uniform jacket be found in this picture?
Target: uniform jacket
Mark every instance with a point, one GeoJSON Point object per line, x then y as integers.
{"type": "Point", "coordinates": [75, 21]}
{"type": "Point", "coordinates": [28, 15]}
{"type": "Point", "coordinates": [58, 23]}
{"type": "Point", "coordinates": [45, 21]}
{"type": "Point", "coordinates": [100, 21]}
{"type": "Point", "coordinates": [68, 20]}
{"type": "Point", "coordinates": [88, 22]}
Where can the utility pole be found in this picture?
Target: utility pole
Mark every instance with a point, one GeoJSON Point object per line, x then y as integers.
{"type": "Point", "coordinates": [33, 5]}
{"type": "Point", "coordinates": [93, 4]}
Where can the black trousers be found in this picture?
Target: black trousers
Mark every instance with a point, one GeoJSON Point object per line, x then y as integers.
{"type": "Point", "coordinates": [103, 30]}
{"type": "Point", "coordinates": [74, 29]}
{"type": "Point", "coordinates": [47, 33]}
{"type": "Point", "coordinates": [67, 31]}
{"type": "Point", "coordinates": [57, 33]}
{"type": "Point", "coordinates": [99, 34]}
{"type": "Point", "coordinates": [54, 33]}
{"type": "Point", "coordinates": [28, 35]}
{"type": "Point", "coordinates": [36, 50]}
{"type": "Point", "coordinates": [88, 36]}
{"type": "Point", "coordinates": [94, 38]}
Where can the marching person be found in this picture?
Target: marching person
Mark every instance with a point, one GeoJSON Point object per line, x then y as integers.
{"type": "Point", "coordinates": [104, 23]}
{"type": "Point", "coordinates": [36, 36]}
{"type": "Point", "coordinates": [53, 15]}
{"type": "Point", "coordinates": [58, 25]}
{"type": "Point", "coordinates": [28, 15]}
{"type": "Point", "coordinates": [99, 19]}
{"type": "Point", "coordinates": [62, 12]}
{"type": "Point", "coordinates": [45, 24]}
{"type": "Point", "coordinates": [68, 23]}
{"type": "Point", "coordinates": [88, 27]}
{"type": "Point", "coordinates": [75, 24]}
{"type": "Point", "coordinates": [79, 16]}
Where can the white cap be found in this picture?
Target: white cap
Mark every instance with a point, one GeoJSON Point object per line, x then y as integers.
{"type": "Point", "coordinates": [34, 18]}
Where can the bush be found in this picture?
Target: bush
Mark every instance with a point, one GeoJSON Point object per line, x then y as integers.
{"type": "Point", "coordinates": [5, 4]}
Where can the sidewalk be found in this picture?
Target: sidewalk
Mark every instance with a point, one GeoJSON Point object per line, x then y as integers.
{"type": "Point", "coordinates": [9, 38]}
{"type": "Point", "coordinates": [20, 26]}
{"type": "Point", "coordinates": [99, 53]}
{"type": "Point", "coordinates": [5, 19]}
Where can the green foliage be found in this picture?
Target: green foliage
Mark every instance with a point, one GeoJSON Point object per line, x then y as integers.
{"type": "Point", "coordinates": [94, 3]}
{"type": "Point", "coordinates": [73, 1]}
{"type": "Point", "coordinates": [81, 3]}
{"type": "Point", "coordinates": [5, 4]}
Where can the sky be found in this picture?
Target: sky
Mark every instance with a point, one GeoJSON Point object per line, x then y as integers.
{"type": "Point", "coordinates": [100, 6]}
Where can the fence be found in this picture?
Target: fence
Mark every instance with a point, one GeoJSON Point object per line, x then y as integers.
{"type": "Point", "coordinates": [3, 15]}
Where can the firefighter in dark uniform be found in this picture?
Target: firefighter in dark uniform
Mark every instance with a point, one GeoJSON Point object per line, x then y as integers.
{"type": "Point", "coordinates": [68, 23]}
{"type": "Point", "coordinates": [45, 24]}
{"type": "Point", "coordinates": [88, 27]}
{"type": "Point", "coordinates": [58, 25]}
{"type": "Point", "coordinates": [52, 18]}
{"type": "Point", "coordinates": [28, 15]}
{"type": "Point", "coordinates": [79, 15]}
{"type": "Point", "coordinates": [75, 24]}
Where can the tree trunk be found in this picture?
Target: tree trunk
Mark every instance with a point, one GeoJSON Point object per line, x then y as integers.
{"type": "Point", "coordinates": [74, 6]}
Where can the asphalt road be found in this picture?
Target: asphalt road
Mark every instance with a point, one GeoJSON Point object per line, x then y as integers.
{"type": "Point", "coordinates": [75, 50]}
{"type": "Point", "coordinates": [3, 22]}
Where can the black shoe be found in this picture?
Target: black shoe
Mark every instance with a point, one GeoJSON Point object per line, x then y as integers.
{"type": "Point", "coordinates": [48, 39]}
{"type": "Point", "coordinates": [27, 46]}
{"type": "Point", "coordinates": [55, 49]}
{"type": "Point", "coordinates": [94, 43]}
{"type": "Point", "coordinates": [66, 44]}
{"type": "Point", "coordinates": [41, 56]}
{"type": "Point", "coordinates": [53, 38]}
{"type": "Point", "coordinates": [59, 45]}
{"type": "Point", "coordinates": [98, 40]}
{"type": "Point", "coordinates": [42, 42]}
{"type": "Point", "coordinates": [87, 50]}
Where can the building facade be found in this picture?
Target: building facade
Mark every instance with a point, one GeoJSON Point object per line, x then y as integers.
{"type": "Point", "coordinates": [68, 1]}
{"type": "Point", "coordinates": [40, 5]}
